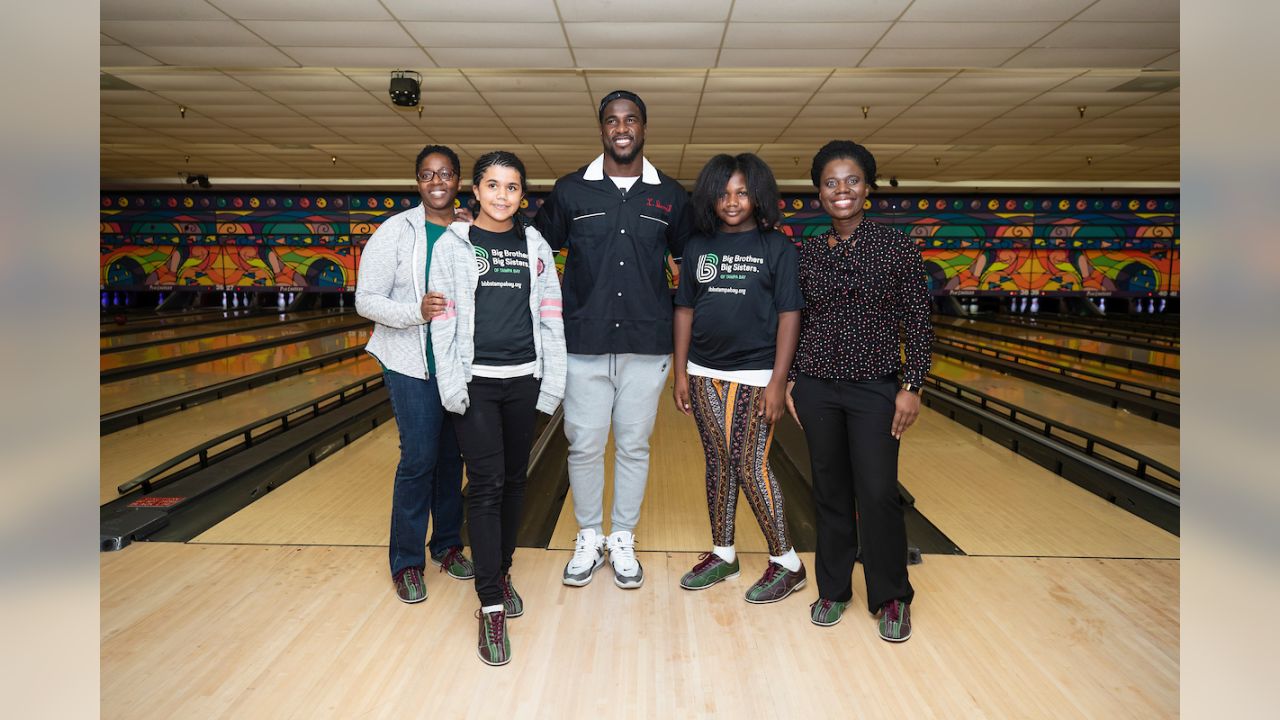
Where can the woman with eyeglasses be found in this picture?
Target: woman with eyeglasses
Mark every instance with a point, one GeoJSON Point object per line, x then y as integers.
{"type": "Point", "coordinates": [865, 297]}
{"type": "Point", "coordinates": [391, 291]}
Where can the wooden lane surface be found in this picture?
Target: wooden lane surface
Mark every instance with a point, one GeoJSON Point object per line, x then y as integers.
{"type": "Point", "coordinates": [126, 453]}
{"type": "Point", "coordinates": [674, 514]}
{"type": "Point", "coordinates": [232, 339]}
{"type": "Point", "coordinates": [153, 319]}
{"type": "Point", "coordinates": [1066, 341]}
{"type": "Point", "coordinates": [1153, 439]}
{"type": "Point", "coordinates": [990, 501]}
{"type": "Point", "coordinates": [346, 499]}
{"type": "Point", "coordinates": [186, 329]}
{"type": "Point", "coordinates": [136, 391]}
{"type": "Point", "coordinates": [316, 632]}
{"type": "Point", "coordinates": [1164, 382]}
{"type": "Point", "coordinates": [343, 500]}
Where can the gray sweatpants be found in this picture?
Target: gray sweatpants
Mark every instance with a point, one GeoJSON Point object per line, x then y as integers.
{"type": "Point", "coordinates": [600, 390]}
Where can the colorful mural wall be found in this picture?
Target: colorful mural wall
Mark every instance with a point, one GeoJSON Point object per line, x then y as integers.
{"type": "Point", "coordinates": [972, 244]}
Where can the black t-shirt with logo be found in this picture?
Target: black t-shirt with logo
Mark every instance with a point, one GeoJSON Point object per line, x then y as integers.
{"type": "Point", "coordinates": [504, 327]}
{"type": "Point", "coordinates": [737, 284]}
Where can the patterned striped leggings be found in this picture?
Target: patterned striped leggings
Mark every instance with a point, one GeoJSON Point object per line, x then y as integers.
{"type": "Point", "coordinates": [736, 443]}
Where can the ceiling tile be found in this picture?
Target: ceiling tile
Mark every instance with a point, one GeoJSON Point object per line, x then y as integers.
{"type": "Point", "coordinates": [121, 56]}
{"type": "Point", "coordinates": [1113, 35]}
{"type": "Point", "coordinates": [1005, 81]}
{"type": "Point", "coordinates": [776, 35]}
{"type": "Point", "coordinates": [198, 33]}
{"type": "Point", "coordinates": [196, 98]}
{"type": "Point", "coordinates": [938, 57]}
{"type": "Point", "coordinates": [352, 57]}
{"type": "Point", "coordinates": [977, 98]}
{"type": "Point", "coordinates": [1134, 10]}
{"type": "Point", "coordinates": [818, 11]}
{"type": "Point", "coordinates": [631, 58]}
{"type": "Point", "coordinates": [604, 81]}
{"type": "Point", "coordinates": [651, 35]}
{"type": "Point", "coordinates": [764, 82]}
{"type": "Point", "coordinates": [662, 10]}
{"type": "Point", "coordinates": [511, 11]}
{"type": "Point", "coordinates": [791, 58]}
{"type": "Point", "coordinates": [487, 34]}
{"type": "Point", "coordinates": [187, 79]}
{"type": "Point", "coordinates": [319, 33]}
{"type": "Point", "coordinates": [994, 11]}
{"type": "Point", "coordinates": [340, 98]}
{"type": "Point", "coordinates": [1071, 58]}
{"type": "Point", "coordinates": [226, 57]}
{"type": "Point", "coordinates": [547, 81]}
{"type": "Point", "coordinates": [152, 10]}
{"type": "Point", "coordinates": [311, 79]}
{"type": "Point", "coordinates": [302, 10]}
{"type": "Point", "coordinates": [505, 58]}
{"type": "Point", "coordinates": [940, 35]}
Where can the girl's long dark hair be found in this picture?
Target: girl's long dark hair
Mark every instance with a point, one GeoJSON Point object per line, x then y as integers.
{"type": "Point", "coordinates": [762, 189]}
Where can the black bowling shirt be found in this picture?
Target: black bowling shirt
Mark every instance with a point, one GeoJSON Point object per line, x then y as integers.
{"type": "Point", "coordinates": [616, 298]}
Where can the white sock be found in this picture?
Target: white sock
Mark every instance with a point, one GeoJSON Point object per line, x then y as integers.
{"type": "Point", "coordinates": [491, 608]}
{"type": "Point", "coordinates": [726, 554]}
{"type": "Point", "coordinates": [789, 560]}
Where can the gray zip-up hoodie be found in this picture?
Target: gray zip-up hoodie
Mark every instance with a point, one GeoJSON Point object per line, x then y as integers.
{"type": "Point", "coordinates": [454, 273]}
{"type": "Point", "coordinates": [389, 290]}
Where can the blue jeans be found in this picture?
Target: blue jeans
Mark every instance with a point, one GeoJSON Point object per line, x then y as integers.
{"type": "Point", "coordinates": [428, 477]}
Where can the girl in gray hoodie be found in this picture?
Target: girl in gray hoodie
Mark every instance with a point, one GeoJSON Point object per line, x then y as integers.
{"type": "Point", "coordinates": [500, 355]}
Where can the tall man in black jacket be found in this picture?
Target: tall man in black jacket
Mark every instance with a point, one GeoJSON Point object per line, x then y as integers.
{"type": "Point", "coordinates": [618, 217]}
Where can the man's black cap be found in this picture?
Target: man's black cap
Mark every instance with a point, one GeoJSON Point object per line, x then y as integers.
{"type": "Point", "coordinates": [623, 95]}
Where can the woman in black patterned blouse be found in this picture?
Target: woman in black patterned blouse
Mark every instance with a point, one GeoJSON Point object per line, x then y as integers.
{"type": "Point", "coordinates": [865, 298]}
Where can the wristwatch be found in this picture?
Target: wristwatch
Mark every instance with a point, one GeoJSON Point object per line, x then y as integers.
{"type": "Point", "coordinates": [913, 388]}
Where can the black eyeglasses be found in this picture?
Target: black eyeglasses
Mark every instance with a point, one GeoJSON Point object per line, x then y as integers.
{"type": "Point", "coordinates": [429, 175]}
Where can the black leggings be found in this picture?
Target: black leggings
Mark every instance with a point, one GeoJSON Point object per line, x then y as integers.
{"type": "Point", "coordinates": [495, 435]}
{"type": "Point", "coordinates": [854, 459]}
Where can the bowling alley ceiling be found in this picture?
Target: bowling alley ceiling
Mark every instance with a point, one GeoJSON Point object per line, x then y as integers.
{"type": "Point", "coordinates": [948, 94]}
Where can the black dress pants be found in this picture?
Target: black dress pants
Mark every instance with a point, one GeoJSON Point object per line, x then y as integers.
{"type": "Point", "coordinates": [854, 460]}
{"type": "Point", "coordinates": [495, 435]}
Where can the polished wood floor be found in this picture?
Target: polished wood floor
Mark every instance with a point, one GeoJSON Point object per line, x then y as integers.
{"type": "Point", "coordinates": [1064, 606]}
{"type": "Point", "coordinates": [1153, 439]}
{"type": "Point", "coordinates": [266, 631]}
{"type": "Point", "coordinates": [155, 386]}
{"type": "Point", "coordinates": [126, 453]}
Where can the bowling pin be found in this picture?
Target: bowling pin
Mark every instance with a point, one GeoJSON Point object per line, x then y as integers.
{"type": "Point", "coordinates": [105, 300]}
{"type": "Point", "coordinates": [342, 300]}
{"type": "Point", "coordinates": [224, 299]}
{"type": "Point", "coordinates": [160, 301]}
{"type": "Point", "coordinates": [1035, 304]}
{"type": "Point", "coordinates": [290, 298]}
{"type": "Point", "coordinates": [1161, 305]}
{"type": "Point", "coordinates": [280, 301]}
{"type": "Point", "coordinates": [1102, 304]}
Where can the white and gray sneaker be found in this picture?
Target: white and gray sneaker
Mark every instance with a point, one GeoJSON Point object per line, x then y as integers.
{"type": "Point", "coordinates": [588, 557]}
{"type": "Point", "coordinates": [627, 573]}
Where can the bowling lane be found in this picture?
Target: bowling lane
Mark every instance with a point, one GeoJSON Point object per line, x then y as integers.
{"type": "Point", "coordinates": [346, 498]}
{"type": "Point", "coordinates": [987, 499]}
{"type": "Point", "coordinates": [181, 331]}
{"type": "Point", "coordinates": [230, 340]}
{"type": "Point", "coordinates": [1164, 382]}
{"type": "Point", "coordinates": [1153, 439]}
{"type": "Point", "coordinates": [155, 386]}
{"type": "Point", "coordinates": [126, 454]}
{"type": "Point", "coordinates": [153, 320]}
{"type": "Point", "coordinates": [990, 501]}
{"type": "Point", "coordinates": [1094, 346]}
